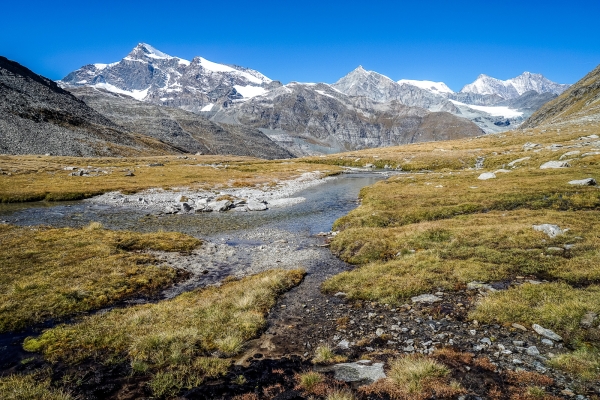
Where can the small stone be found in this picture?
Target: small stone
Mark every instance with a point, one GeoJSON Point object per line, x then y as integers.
{"type": "Point", "coordinates": [479, 285]}
{"type": "Point", "coordinates": [567, 392]}
{"type": "Point", "coordinates": [359, 372]}
{"type": "Point", "coordinates": [512, 163]}
{"type": "Point", "coordinates": [408, 348]}
{"type": "Point", "coordinates": [519, 326]}
{"type": "Point", "coordinates": [486, 340]}
{"type": "Point", "coordinates": [340, 294]}
{"type": "Point", "coordinates": [530, 146]}
{"type": "Point", "coordinates": [344, 344]}
{"type": "Point", "coordinates": [426, 298]}
{"type": "Point", "coordinates": [519, 343]}
{"type": "Point", "coordinates": [472, 332]}
{"type": "Point", "coordinates": [549, 229]}
{"type": "Point", "coordinates": [555, 250]}
{"type": "Point", "coordinates": [517, 361]}
{"type": "Point", "coordinates": [533, 351]}
{"type": "Point", "coordinates": [548, 342]}
{"type": "Point", "coordinates": [547, 333]}
{"type": "Point", "coordinates": [256, 206]}
{"type": "Point", "coordinates": [379, 332]}
{"type": "Point", "coordinates": [583, 182]}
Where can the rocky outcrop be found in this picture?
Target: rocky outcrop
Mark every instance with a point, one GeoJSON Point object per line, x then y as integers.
{"type": "Point", "coordinates": [580, 103]}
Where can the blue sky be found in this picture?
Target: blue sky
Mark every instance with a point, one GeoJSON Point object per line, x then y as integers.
{"type": "Point", "coordinates": [316, 41]}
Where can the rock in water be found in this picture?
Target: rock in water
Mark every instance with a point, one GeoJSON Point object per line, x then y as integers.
{"type": "Point", "coordinates": [549, 229]}
{"type": "Point", "coordinates": [487, 175]}
{"type": "Point", "coordinates": [360, 371]}
{"type": "Point", "coordinates": [256, 206]}
{"type": "Point", "coordinates": [555, 164]}
{"type": "Point", "coordinates": [547, 333]}
{"type": "Point", "coordinates": [583, 182]}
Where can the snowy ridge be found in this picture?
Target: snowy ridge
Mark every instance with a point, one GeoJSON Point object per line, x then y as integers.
{"type": "Point", "coordinates": [514, 87]}
{"type": "Point", "coordinates": [434, 87]}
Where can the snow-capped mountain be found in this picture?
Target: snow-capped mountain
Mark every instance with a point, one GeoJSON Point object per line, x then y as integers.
{"type": "Point", "coordinates": [514, 87]}
{"type": "Point", "coordinates": [150, 75]}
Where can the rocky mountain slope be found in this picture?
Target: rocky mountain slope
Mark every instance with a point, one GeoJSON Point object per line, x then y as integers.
{"type": "Point", "coordinates": [150, 75]}
{"type": "Point", "coordinates": [189, 132]}
{"type": "Point", "coordinates": [38, 117]}
{"type": "Point", "coordinates": [318, 118]}
{"type": "Point", "coordinates": [580, 103]}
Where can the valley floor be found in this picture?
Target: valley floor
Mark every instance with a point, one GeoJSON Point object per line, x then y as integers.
{"type": "Point", "coordinates": [472, 274]}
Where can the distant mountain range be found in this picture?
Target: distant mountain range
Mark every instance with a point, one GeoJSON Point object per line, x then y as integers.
{"type": "Point", "coordinates": [201, 86]}
{"type": "Point", "coordinates": [203, 106]}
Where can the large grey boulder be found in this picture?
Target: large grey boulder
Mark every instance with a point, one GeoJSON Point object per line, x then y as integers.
{"type": "Point", "coordinates": [256, 206]}
{"type": "Point", "coordinates": [555, 164]}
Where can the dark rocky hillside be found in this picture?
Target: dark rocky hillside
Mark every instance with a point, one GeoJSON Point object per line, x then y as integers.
{"type": "Point", "coordinates": [38, 117]}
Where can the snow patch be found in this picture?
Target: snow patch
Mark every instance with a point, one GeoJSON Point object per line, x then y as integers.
{"type": "Point", "coordinates": [207, 107]}
{"type": "Point", "coordinates": [250, 91]}
{"type": "Point", "coordinates": [436, 87]}
{"type": "Point", "coordinates": [136, 94]}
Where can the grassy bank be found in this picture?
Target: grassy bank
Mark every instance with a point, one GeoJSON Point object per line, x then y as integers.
{"type": "Point", "coordinates": [55, 272]}
{"type": "Point", "coordinates": [178, 342]}
{"type": "Point", "coordinates": [35, 178]}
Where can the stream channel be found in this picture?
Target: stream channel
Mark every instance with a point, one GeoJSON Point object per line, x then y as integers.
{"type": "Point", "coordinates": [235, 244]}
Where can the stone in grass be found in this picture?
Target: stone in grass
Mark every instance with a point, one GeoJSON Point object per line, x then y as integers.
{"type": "Point", "coordinates": [360, 372]}
{"type": "Point", "coordinates": [555, 164]}
{"type": "Point", "coordinates": [549, 229]}
{"type": "Point", "coordinates": [583, 182]}
{"type": "Point", "coordinates": [487, 175]}
{"type": "Point", "coordinates": [546, 333]}
{"type": "Point", "coordinates": [519, 326]}
{"type": "Point", "coordinates": [588, 319]}
{"type": "Point", "coordinates": [548, 342]}
{"type": "Point", "coordinates": [426, 298]}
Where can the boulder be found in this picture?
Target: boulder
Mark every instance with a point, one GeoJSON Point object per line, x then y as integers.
{"type": "Point", "coordinates": [555, 164]}
{"type": "Point", "coordinates": [546, 333]}
{"type": "Point", "coordinates": [220, 206]}
{"type": "Point", "coordinates": [256, 206]}
{"type": "Point", "coordinates": [570, 154]}
{"type": "Point", "coordinates": [362, 372]}
{"type": "Point", "coordinates": [551, 230]}
{"type": "Point", "coordinates": [530, 146]}
{"type": "Point", "coordinates": [487, 175]}
{"type": "Point", "coordinates": [583, 182]}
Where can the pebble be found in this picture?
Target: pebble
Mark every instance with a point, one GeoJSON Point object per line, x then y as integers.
{"type": "Point", "coordinates": [548, 342]}
{"type": "Point", "coordinates": [519, 326]}
{"type": "Point", "coordinates": [426, 298]}
{"type": "Point", "coordinates": [533, 351]}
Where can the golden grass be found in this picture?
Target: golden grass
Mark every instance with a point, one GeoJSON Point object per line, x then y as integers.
{"type": "Point", "coordinates": [556, 306]}
{"type": "Point", "coordinates": [34, 178]}
{"type": "Point", "coordinates": [404, 261]}
{"type": "Point", "coordinates": [415, 377]}
{"type": "Point", "coordinates": [27, 387]}
{"type": "Point", "coordinates": [324, 354]}
{"type": "Point", "coordinates": [55, 272]}
{"type": "Point", "coordinates": [583, 363]}
{"type": "Point", "coordinates": [307, 381]}
{"type": "Point", "coordinates": [179, 341]}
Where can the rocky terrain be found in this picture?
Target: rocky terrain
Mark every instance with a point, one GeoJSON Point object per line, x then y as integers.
{"type": "Point", "coordinates": [186, 131]}
{"type": "Point", "coordinates": [579, 104]}
{"type": "Point", "coordinates": [37, 116]}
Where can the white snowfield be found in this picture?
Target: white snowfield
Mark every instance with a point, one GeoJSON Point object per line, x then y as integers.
{"type": "Point", "coordinates": [250, 91]}
{"type": "Point", "coordinates": [136, 94]}
{"type": "Point", "coordinates": [435, 87]}
{"type": "Point", "coordinates": [495, 111]}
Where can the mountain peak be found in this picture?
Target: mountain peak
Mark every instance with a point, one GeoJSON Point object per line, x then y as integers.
{"type": "Point", "coordinates": [144, 49]}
